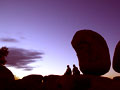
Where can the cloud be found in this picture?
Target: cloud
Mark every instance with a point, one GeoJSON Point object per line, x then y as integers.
{"type": "Point", "coordinates": [8, 40]}
{"type": "Point", "coordinates": [20, 58]}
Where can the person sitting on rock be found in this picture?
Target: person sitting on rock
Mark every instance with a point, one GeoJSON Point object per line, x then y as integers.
{"type": "Point", "coordinates": [68, 71]}
{"type": "Point", "coordinates": [75, 70]}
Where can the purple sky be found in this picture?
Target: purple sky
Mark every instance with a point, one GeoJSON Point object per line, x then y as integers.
{"type": "Point", "coordinates": [47, 27]}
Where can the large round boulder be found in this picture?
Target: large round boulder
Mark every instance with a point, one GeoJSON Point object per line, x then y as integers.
{"type": "Point", "coordinates": [92, 52]}
{"type": "Point", "coordinates": [116, 58]}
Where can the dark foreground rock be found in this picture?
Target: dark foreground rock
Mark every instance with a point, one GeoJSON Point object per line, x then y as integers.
{"type": "Point", "coordinates": [70, 82]}
{"type": "Point", "coordinates": [30, 82]}
{"type": "Point", "coordinates": [6, 78]}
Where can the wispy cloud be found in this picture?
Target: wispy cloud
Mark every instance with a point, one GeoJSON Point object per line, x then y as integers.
{"type": "Point", "coordinates": [8, 40]}
{"type": "Point", "coordinates": [20, 58]}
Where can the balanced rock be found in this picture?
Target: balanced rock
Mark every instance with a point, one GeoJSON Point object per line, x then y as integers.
{"type": "Point", "coordinates": [116, 58]}
{"type": "Point", "coordinates": [92, 52]}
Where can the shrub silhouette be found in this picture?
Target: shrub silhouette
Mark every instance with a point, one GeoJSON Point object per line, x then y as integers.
{"type": "Point", "coordinates": [6, 76]}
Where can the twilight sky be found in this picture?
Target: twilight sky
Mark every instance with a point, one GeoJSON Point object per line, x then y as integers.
{"type": "Point", "coordinates": [39, 32]}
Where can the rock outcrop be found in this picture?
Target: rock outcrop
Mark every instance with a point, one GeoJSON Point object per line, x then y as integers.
{"type": "Point", "coordinates": [92, 52]}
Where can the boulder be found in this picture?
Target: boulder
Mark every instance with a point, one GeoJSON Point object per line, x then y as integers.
{"type": "Point", "coordinates": [50, 82]}
{"type": "Point", "coordinates": [30, 82]}
{"type": "Point", "coordinates": [92, 52]}
{"type": "Point", "coordinates": [116, 58]}
{"type": "Point", "coordinates": [6, 78]}
{"type": "Point", "coordinates": [65, 82]}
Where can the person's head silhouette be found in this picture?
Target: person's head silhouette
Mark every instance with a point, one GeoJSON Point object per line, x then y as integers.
{"type": "Point", "coordinates": [74, 65]}
{"type": "Point", "coordinates": [68, 66]}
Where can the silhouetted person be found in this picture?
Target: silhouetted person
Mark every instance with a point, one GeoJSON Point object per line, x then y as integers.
{"type": "Point", "coordinates": [75, 70]}
{"type": "Point", "coordinates": [92, 52]}
{"type": "Point", "coordinates": [68, 71]}
{"type": "Point", "coordinates": [6, 76]}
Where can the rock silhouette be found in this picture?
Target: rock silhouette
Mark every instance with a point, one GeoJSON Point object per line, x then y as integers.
{"type": "Point", "coordinates": [116, 83]}
{"type": "Point", "coordinates": [30, 82]}
{"type": "Point", "coordinates": [50, 82]}
{"type": "Point", "coordinates": [116, 58]}
{"type": "Point", "coordinates": [65, 82]}
{"type": "Point", "coordinates": [92, 52]}
{"type": "Point", "coordinates": [100, 83]}
{"type": "Point", "coordinates": [6, 76]}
